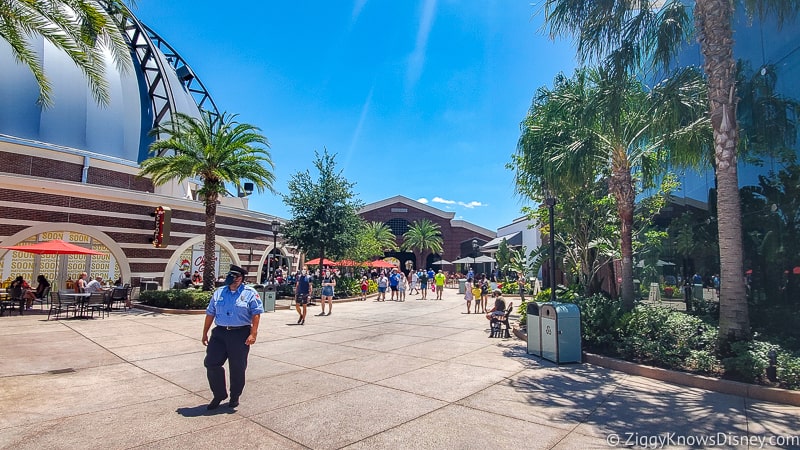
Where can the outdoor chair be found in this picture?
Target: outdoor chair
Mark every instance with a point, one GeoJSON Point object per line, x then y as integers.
{"type": "Point", "coordinates": [57, 306]}
{"type": "Point", "coordinates": [15, 295]}
{"type": "Point", "coordinates": [120, 295]}
{"type": "Point", "coordinates": [98, 302]}
{"type": "Point", "coordinates": [44, 299]}
{"type": "Point", "coordinates": [497, 324]}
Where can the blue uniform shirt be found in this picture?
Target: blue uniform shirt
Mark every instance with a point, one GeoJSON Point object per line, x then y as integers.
{"type": "Point", "coordinates": [303, 284]}
{"type": "Point", "coordinates": [234, 308]}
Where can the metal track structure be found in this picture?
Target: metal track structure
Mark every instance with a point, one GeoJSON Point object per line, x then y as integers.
{"type": "Point", "coordinates": [144, 43]}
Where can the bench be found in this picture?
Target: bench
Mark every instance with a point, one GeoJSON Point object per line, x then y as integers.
{"type": "Point", "coordinates": [497, 322]}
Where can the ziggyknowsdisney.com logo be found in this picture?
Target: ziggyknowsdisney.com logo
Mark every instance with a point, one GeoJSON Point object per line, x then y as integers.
{"type": "Point", "coordinates": [665, 440]}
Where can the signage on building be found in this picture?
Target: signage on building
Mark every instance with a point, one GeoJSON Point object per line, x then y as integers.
{"type": "Point", "coordinates": [163, 221]}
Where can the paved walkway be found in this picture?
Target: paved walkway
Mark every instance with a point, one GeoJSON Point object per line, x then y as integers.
{"type": "Point", "coordinates": [418, 374]}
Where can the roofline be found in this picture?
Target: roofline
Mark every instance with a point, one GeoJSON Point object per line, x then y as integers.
{"type": "Point", "coordinates": [472, 227]}
{"type": "Point", "coordinates": [409, 202]}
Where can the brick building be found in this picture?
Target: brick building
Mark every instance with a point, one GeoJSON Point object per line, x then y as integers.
{"type": "Point", "coordinates": [399, 212]}
{"type": "Point", "coordinates": [69, 171]}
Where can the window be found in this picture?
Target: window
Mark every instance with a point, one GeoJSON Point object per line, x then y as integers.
{"type": "Point", "coordinates": [398, 226]}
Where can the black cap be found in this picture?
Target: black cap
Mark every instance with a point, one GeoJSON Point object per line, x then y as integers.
{"type": "Point", "coordinates": [237, 269]}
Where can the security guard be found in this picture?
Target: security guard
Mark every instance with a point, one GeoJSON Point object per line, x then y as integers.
{"type": "Point", "coordinates": [236, 309]}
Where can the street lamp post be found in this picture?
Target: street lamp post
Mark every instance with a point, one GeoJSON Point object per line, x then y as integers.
{"type": "Point", "coordinates": [275, 225]}
{"type": "Point", "coordinates": [551, 203]}
{"type": "Point", "coordinates": [474, 253]}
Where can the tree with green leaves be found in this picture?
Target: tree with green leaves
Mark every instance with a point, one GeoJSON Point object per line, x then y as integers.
{"type": "Point", "coordinates": [503, 255]}
{"type": "Point", "coordinates": [81, 29]}
{"type": "Point", "coordinates": [374, 239]}
{"type": "Point", "coordinates": [592, 125]}
{"type": "Point", "coordinates": [631, 36]}
{"type": "Point", "coordinates": [325, 220]}
{"type": "Point", "coordinates": [217, 150]}
{"type": "Point", "coordinates": [425, 236]}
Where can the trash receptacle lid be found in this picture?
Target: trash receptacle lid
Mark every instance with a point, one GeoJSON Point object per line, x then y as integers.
{"type": "Point", "coordinates": [532, 309]}
{"type": "Point", "coordinates": [270, 288]}
{"type": "Point", "coordinates": [559, 310]}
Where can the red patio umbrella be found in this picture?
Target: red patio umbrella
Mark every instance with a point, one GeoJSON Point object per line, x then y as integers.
{"type": "Point", "coordinates": [325, 262]}
{"type": "Point", "coordinates": [350, 263]}
{"type": "Point", "coordinates": [54, 247]}
{"type": "Point", "coordinates": [381, 264]}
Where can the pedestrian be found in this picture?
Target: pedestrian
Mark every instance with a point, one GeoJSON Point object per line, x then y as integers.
{"type": "Point", "coordinates": [364, 288]}
{"type": "Point", "coordinates": [414, 283]}
{"type": "Point", "coordinates": [484, 293]}
{"type": "Point", "coordinates": [394, 283]}
{"type": "Point", "coordinates": [468, 294]}
{"type": "Point", "coordinates": [439, 280]}
{"type": "Point", "coordinates": [402, 285]}
{"type": "Point", "coordinates": [236, 309]}
{"type": "Point", "coordinates": [423, 284]}
{"type": "Point", "coordinates": [328, 284]}
{"type": "Point", "coordinates": [302, 291]}
{"type": "Point", "coordinates": [383, 283]}
{"type": "Point", "coordinates": [476, 294]}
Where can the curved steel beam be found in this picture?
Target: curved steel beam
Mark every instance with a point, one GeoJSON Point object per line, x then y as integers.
{"type": "Point", "coordinates": [145, 45]}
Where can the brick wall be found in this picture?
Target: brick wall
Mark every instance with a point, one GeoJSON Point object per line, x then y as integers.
{"type": "Point", "coordinates": [452, 236]}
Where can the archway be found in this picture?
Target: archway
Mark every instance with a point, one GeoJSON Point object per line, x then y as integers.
{"type": "Point", "coordinates": [111, 267]}
{"type": "Point", "coordinates": [189, 256]}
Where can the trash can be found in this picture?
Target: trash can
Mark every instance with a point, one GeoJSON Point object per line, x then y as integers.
{"type": "Point", "coordinates": [269, 298]}
{"type": "Point", "coordinates": [534, 329]}
{"type": "Point", "coordinates": [560, 332]}
{"type": "Point", "coordinates": [697, 292]}
{"type": "Point", "coordinates": [462, 286]}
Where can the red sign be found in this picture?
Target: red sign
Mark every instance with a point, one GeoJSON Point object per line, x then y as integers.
{"type": "Point", "coordinates": [163, 223]}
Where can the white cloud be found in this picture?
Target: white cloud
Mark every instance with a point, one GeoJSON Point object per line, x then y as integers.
{"type": "Point", "coordinates": [441, 200]}
{"type": "Point", "coordinates": [451, 203]}
{"type": "Point", "coordinates": [423, 200]}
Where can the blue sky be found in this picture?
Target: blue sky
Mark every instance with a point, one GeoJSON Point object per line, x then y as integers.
{"type": "Point", "coordinates": [416, 98]}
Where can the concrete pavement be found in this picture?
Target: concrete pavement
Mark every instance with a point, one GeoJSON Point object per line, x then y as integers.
{"type": "Point", "coordinates": [417, 374]}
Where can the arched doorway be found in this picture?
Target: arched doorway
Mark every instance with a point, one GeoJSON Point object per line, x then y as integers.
{"type": "Point", "coordinates": [190, 257]}
{"type": "Point", "coordinates": [62, 270]}
{"type": "Point", "coordinates": [403, 258]}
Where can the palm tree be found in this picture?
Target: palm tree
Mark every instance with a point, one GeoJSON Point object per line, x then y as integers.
{"type": "Point", "coordinates": [423, 235]}
{"type": "Point", "coordinates": [382, 235]}
{"type": "Point", "coordinates": [594, 125]}
{"type": "Point", "coordinates": [81, 29]}
{"type": "Point", "coordinates": [632, 34]}
{"type": "Point", "coordinates": [217, 150]}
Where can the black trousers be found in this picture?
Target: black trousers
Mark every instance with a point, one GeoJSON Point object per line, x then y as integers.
{"type": "Point", "coordinates": [227, 345]}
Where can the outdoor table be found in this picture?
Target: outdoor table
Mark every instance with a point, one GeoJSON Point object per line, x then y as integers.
{"type": "Point", "coordinates": [79, 299]}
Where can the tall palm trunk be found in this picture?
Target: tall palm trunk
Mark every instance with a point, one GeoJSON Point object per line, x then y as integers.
{"type": "Point", "coordinates": [621, 186]}
{"type": "Point", "coordinates": [209, 249]}
{"type": "Point", "coordinates": [713, 18]}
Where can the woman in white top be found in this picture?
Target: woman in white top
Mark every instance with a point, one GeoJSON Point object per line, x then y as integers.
{"type": "Point", "coordinates": [402, 285]}
{"type": "Point", "coordinates": [468, 294]}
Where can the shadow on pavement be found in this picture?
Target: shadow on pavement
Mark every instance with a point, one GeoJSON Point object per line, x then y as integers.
{"type": "Point", "coordinates": [202, 410]}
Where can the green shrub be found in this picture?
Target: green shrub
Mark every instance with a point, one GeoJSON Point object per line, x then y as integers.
{"type": "Point", "coordinates": [748, 361]}
{"type": "Point", "coordinates": [600, 322]}
{"type": "Point", "coordinates": [347, 286]}
{"type": "Point", "coordinates": [176, 298]}
{"type": "Point", "coordinates": [510, 287]}
{"type": "Point", "coordinates": [663, 337]}
{"type": "Point", "coordinates": [703, 361]}
{"type": "Point", "coordinates": [788, 370]}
